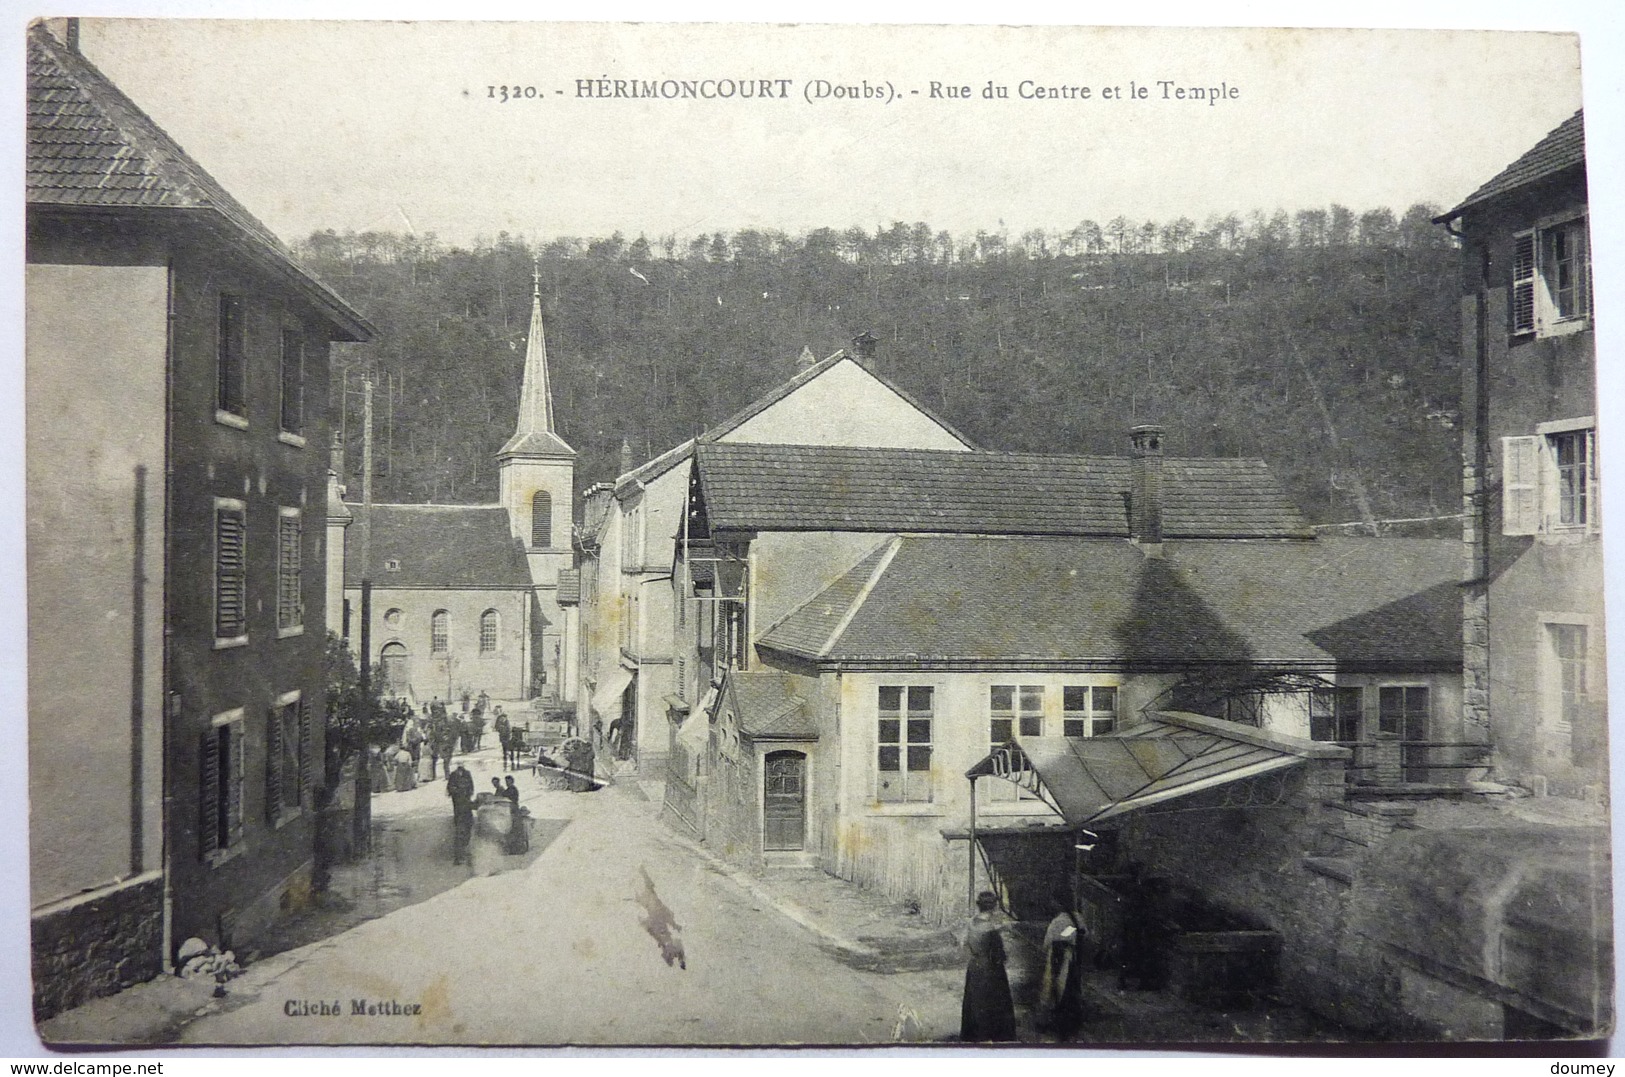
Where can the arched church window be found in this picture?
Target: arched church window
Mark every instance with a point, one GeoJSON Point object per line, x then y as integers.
{"type": "Point", "coordinates": [439, 632]}
{"type": "Point", "coordinates": [541, 519]}
{"type": "Point", "coordinates": [488, 632]}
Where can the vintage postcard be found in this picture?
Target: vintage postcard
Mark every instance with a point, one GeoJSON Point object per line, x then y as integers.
{"type": "Point", "coordinates": [837, 535]}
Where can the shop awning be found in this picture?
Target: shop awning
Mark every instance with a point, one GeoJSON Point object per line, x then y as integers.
{"type": "Point", "coordinates": [606, 698]}
{"type": "Point", "coordinates": [1090, 780]}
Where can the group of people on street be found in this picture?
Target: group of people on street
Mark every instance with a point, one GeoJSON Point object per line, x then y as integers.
{"type": "Point", "coordinates": [460, 788]}
{"type": "Point", "coordinates": [988, 1012]}
{"type": "Point", "coordinates": [442, 733]}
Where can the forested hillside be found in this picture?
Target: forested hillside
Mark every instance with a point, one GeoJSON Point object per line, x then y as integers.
{"type": "Point", "coordinates": [1324, 342]}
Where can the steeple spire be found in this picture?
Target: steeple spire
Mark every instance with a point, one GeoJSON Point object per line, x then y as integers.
{"type": "Point", "coordinates": [535, 396]}
{"type": "Point", "coordinates": [535, 434]}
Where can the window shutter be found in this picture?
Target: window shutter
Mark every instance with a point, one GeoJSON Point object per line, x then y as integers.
{"type": "Point", "coordinates": [290, 613]}
{"type": "Point", "coordinates": [208, 826]}
{"type": "Point", "coordinates": [304, 750]}
{"type": "Point", "coordinates": [1593, 505]}
{"type": "Point", "coordinates": [273, 764]}
{"type": "Point", "coordinates": [234, 784]}
{"type": "Point", "coordinates": [230, 575]}
{"type": "Point", "coordinates": [1522, 309]}
{"type": "Point", "coordinates": [1520, 485]}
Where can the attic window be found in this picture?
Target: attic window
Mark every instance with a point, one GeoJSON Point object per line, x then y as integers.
{"type": "Point", "coordinates": [392, 565]}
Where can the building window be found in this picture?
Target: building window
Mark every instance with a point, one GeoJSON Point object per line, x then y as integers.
{"type": "Point", "coordinates": [1402, 711]}
{"type": "Point", "coordinates": [1013, 710]}
{"type": "Point", "coordinates": [220, 784]}
{"type": "Point", "coordinates": [1565, 691]}
{"type": "Point", "coordinates": [439, 631]}
{"type": "Point", "coordinates": [541, 519]}
{"type": "Point", "coordinates": [904, 744]}
{"type": "Point", "coordinates": [230, 571]}
{"type": "Point", "coordinates": [287, 756]}
{"type": "Point", "coordinates": [1549, 480]}
{"type": "Point", "coordinates": [293, 382]}
{"type": "Point", "coordinates": [1088, 711]}
{"type": "Point", "coordinates": [488, 632]}
{"type": "Point", "coordinates": [1551, 279]}
{"type": "Point", "coordinates": [231, 362]}
{"type": "Point", "coordinates": [392, 618]}
{"type": "Point", "coordinates": [1334, 714]}
{"type": "Point", "coordinates": [290, 605]}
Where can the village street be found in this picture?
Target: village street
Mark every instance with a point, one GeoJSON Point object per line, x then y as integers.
{"type": "Point", "coordinates": [557, 952]}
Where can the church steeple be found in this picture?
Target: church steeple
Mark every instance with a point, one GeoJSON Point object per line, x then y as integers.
{"type": "Point", "coordinates": [534, 434]}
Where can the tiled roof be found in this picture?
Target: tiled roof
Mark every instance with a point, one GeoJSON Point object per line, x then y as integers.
{"type": "Point", "coordinates": [89, 146]}
{"type": "Point", "coordinates": [834, 488]}
{"type": "Point", "coordinates": [569, 593]}
{"type": "Point", "coordinates": [1355, 602]}
{"type": "Point", "coordinates": [1563, 147]}
{"type": "Point", "coordinates": [813, 625]}
{"type": "Point", "coordinates": [769, 707]}
{"type": "Point", "coordinates": [438, 546]}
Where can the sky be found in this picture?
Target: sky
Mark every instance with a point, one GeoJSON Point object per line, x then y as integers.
{"type": "Point", "coordinates": [355, 125]}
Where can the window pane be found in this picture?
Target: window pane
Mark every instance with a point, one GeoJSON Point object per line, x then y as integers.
{"type": "Point", "coordinates": [1075, 697]}
{"type": "Point", "coordinates": [919, 758]}
{"type": "Point", "coordinates": [293, 381]}
{"type": "Point", "coordinates": [1032, 726]}
{"type": "Point", "coordinates": [1001, 697]}
{"type": "Point", "coordinates": [1073, 727]}
{"type": "Point", "coordinates": [229, 360]}
{"type": "Point", "coordinates": [1105, 699]}
{"type": "Point", "coordinates": [891, 699]}
{"type": "Point", "coordinates": [1000, 731]}
{"type": "Point", "coordinates": [1390, 706]}
{"type": "Point", "coordinates": [890, 731]}
{"type": "Point", "coordinates": [919, 731]}
{"type": "Point", "coordinates": [1104, 725]}
{"type": "Point", "coordinates": [919, 699]}
{"type": "Point", "coordinates": [889, 758]}
{"type": "Point", "coordinates": [1032, 699]}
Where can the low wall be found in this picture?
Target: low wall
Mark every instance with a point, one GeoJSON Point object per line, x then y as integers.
{"type": "Point", "coordinates": [97, 946]}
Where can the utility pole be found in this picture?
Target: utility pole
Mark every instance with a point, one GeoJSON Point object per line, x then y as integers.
{"type": "Point", "coordinates": [361, 833]}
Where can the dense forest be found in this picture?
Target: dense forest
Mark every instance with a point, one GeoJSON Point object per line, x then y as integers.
{"type": "Point", "coordinates": [1323, 341]}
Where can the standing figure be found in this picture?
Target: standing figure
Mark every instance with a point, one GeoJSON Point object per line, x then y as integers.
{"type": "Point", "coordinates": [988, 1014]}
{"type": "Point", "coordinates": [504, 730]}
{"type": "Point", "coordinates": [518, 840]}
{"type": "Point", "coordinates": [412, 738]}
{"type": "Point", "coordinates": [460, 787]}
{"type": "Point", "coordinates": [1067, 950]}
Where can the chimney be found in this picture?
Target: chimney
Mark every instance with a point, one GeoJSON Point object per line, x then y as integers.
{"type": "Point", "coordinates": [806, 361]}
{"type": "Point", "coordinates": [626, 456]}
{"type": "Point", "coordinates": [1145, 489]}
{"type": "Point", "coordinates": [863, 345]}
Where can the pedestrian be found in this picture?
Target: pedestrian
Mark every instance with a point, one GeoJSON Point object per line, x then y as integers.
{"type": "Point", "coordinates": [988, 1013]}
{"type": "Point", "coordinates": [412, 738]}
{"type": "Point", "coordinates": [1067, 949]}
{"type": "Point", "coordinates": [504, 728]}
{"type": "Point", "coordinates": [518, 840]}
{"type": "Point", "coordinates": [460, 787]}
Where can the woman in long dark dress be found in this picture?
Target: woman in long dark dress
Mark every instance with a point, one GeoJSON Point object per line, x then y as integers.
{"type": "Point", "coordinates": [518, 839]}
{"type": "Point", "coordinates": [988, 1014]}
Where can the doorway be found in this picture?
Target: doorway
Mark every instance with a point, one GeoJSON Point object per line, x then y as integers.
{"type": "Point", "coordinates": [784, 802]}
{"type": "Point", "coordinates": [392, 662]}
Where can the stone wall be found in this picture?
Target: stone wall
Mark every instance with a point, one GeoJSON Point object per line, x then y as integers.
{"type": "Point", "coordinates": [98, 946]}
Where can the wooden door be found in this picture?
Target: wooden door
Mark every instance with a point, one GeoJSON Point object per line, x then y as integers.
{"type": "Point", "coordinates": [392, 670]}
{"type": "Point", "coordinates": [784, 802]}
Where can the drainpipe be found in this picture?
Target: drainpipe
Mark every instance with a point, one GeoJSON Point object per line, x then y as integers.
{"type": "Point", "coordinates": [970, 875]}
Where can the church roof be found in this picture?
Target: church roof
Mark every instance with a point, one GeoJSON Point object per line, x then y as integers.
{"type": "Point", "coordinates": [439, 547]}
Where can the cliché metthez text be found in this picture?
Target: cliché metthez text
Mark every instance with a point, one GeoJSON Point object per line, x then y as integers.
{"type": "Point", "coordinates": [357, 1007]}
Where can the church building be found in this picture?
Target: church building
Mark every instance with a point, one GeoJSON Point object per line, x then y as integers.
{"type": "Point", "coordinates": [465, 598]}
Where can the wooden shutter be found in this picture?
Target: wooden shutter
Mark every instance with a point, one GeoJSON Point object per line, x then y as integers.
{"type": "Point", "coordinates": [1593, 505]}
{"type": "Point", "coordinates": [1520, 485]}
{"type": "Point", "coordinates": [304, 750]}
{"type": "Point", "coordinates": [234, 783]}
{"type": "Point", "coordinates": [1522, 299]}
{"type": "Point", "coordinates": [208, 826]}
{"type": "Point", "coordinates": [230, 598]}
{"type": "Point", "coordinates": [290, 611]}
{"type": "Point", "coordinates": [273, 764]}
